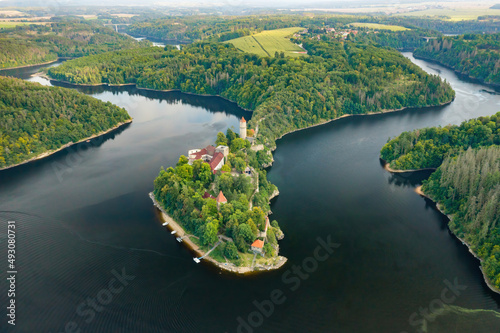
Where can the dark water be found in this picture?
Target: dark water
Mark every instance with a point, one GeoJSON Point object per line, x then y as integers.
{"type": "Point", "coordinates": [83, 217]}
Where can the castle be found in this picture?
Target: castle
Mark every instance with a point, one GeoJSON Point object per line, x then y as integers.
{"type": "Point", "coordinates": [243, 128]}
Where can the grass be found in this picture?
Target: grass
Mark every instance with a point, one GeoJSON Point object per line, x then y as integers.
{"type": "Point", "coordinates": [267, 42]}
{"type": "Point", "coordinates": [453, 14]}
{"type": "Point", "coordinates": [10, 24]}
{"type": "Point", "coordinates": [377, 26]}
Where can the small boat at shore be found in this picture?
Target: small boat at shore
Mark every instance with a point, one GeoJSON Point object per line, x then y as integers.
{"type": "Point", "coordinates": [173, 232]}
{"type": "Point", "coordinates": [196, 260]}
{"type": "Point", "coordinates": [164, 224]}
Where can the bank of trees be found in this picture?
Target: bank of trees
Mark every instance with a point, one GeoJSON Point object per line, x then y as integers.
{"type": "Point", "coordinates": [468, 187]}
{"type": "Point", "coordinates": [475, 55]}
{"type": "Point", "coordinates": [35, 119]}
{"type": "Point", "coordinates": [285, 93]}
{"type": "Point", "coordinates": [466, 182]}
{"type": "Point", "coordinates": [428, 147]}
{"type": "Point", "coordinates": [69, 37]}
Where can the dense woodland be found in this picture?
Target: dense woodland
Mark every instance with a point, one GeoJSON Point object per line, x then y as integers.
{"type": "Point", "coordinates": [181, 191]}
{"type": "Point", "coordinates": [468, 187]}
{"type": "Point", "coordinates": [336, 78]}
{"type": "Point", "coordinates": [35, 119]}
{"type": "Point", "coordinates": [221, 28]}
{"type": "Point", "coordinates": [475, 55]}
{"type": "Point", "coordinates": [428, 147]}
{"type": "Point", "coordinates": [466, 182]}
{"type": "Point", "coordinates": [68, 37]}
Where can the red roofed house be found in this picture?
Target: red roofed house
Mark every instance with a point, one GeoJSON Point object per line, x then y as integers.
{"type": "Point", "coordinates": [257, 246]}
{"type": "Point", "coordinates": [221, 199]}
{"type": "Point", "coordinates": [216, 162]}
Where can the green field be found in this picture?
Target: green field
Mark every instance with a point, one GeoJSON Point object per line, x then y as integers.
{"type": "Point", "coordinates": [453, 14]}
{"type": "Point", "coordinates": [377, 26]}
{"type": "Point", "coordinates": [266, 43]}
{"type": "Point", "coordinates": [10, 24]}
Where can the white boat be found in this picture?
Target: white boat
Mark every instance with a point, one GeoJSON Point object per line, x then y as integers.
{"type": "Point", "coordinates": [179, 239]}
{"type": "Point", "coordinates": [173, 232]}
{"type": "Point", "coordinates": [196, 260]}
{"type": "Point", "coordinates": [165, 223]}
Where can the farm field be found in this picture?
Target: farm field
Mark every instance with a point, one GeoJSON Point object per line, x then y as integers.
{"type": "Point", "coordinates": [377, 26]}
{"type": "Point", "coordinates": [10, 24]}
{"type": "Point", "coordinates": [452, 14]}
{"type": "Point", "coordinates": [266, 43]}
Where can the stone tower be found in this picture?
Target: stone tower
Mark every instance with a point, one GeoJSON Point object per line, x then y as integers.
{"type": "Point", "coordinates": [243, 128]}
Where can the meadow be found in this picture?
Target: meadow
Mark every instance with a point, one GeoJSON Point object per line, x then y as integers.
{"type": "Point", "coordinates": [452, 14]}
{"type": "Point", "coordinates": [267, 42]}
{"type": "Point", "coordinates": [377, 26]}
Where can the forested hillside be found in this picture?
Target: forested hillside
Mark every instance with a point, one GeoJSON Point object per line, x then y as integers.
{"type": "Point", "coordinates": [468, 187]}
{"type": "Point", "coordinates": [285, 93]}
{"type": "Point", "coordinates": [35, 119]}
{"type": "Point", "coordinates": [427, 148]}
{"type": "Point", "coordinates": [33, 44]}
{"type": "Point", "coordinates": [475, 55]}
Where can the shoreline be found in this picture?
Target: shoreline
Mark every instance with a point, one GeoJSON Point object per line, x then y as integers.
{"type": "Point", "coordinates": [33, 65]}
{"type": "Point", "coordinates": [388, 168]}
{"type": "Point", "coordinates": [69, 144]}
{"type": "Point", "coordinates": [228, 267]}
{"type": "Point", "coordinates": [419, 191]}
{"type": "Point", "coordinates": [360, 115]}
{"type": "Point", "coordinates": [471, 78]}
{"type": "Point", "coordinates": [139, 88]}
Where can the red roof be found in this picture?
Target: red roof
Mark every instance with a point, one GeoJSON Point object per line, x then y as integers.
{"type": "Point", "coordinates": [208, 195]}
{"type": "Point", "coordinates": [221, 198]}
{"type": "Point", "coordinates": [198, 155]}
{"type": "Point", "coordinates": [258, 243]}
{"type": "Point", "coordinates": [243, 120]}
{"type": "Point", "coordinates": [210, 150]}
{"type": "Point", "coordinates": [216, 160]}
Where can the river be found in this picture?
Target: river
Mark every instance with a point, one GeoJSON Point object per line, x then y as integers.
{"type": "Point", "coordinates": [84, 221]}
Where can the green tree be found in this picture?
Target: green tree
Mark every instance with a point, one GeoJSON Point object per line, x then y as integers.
{"type": "Point", "coordinates": [221, 139]}
{"type": "Point", "coordinates": [231, 252]}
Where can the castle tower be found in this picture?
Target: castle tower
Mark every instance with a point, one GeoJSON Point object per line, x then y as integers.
{"type": "Point", "coordinates": [243, 128]}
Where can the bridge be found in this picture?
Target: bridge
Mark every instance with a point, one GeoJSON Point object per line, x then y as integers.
{"type": "Point", "coordinates": [115, 25]}
{"type": "Point", "coordinates": [427, 39]}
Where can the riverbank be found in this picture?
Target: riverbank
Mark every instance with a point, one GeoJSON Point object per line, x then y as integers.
{"type": "Point", "coordinates": [43, 75]}
{"type": "Point", "coordinates": [388, 168]}
{"type": "Point", "coordinates": [359, 115]}
{"type": "Point", "coordinates": [463, 75]}
{"type": "Point", "coordinates": [419, 191]}
{"type": "Point", "coordinates": [69, 144]}
{"type": "Point", "coordinates": [33, 65]}
{"type": "Point", "coordinates": [228, 267]}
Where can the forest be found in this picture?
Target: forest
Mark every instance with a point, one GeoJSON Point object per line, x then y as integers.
{"type": "Point", "coordinates": [222, 28]}
{"type": "Point", "coordinates": [466, 182]}
{"type": "Point", "coordinates": [336, 78]}
{"type": "Point", "coordinates": [63, 37]}
{"type": "Point", "coordinates": [467, 186]}
{"type": "Point", "coordinates": [35, 119]}
{"type": "Point", "coordinates": [188, 193]}
{"type": "Point", "coordinates": [428, 147]}
{"type": "Point", "coordinates": [474, 55]}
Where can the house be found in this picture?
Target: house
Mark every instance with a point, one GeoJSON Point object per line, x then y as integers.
{"type": "Point", "coordinates": [215, 157]}
{"type": "Point", "coordinates": [216, 162]}
{"type": "Point", "coordinates": [257, 246]}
